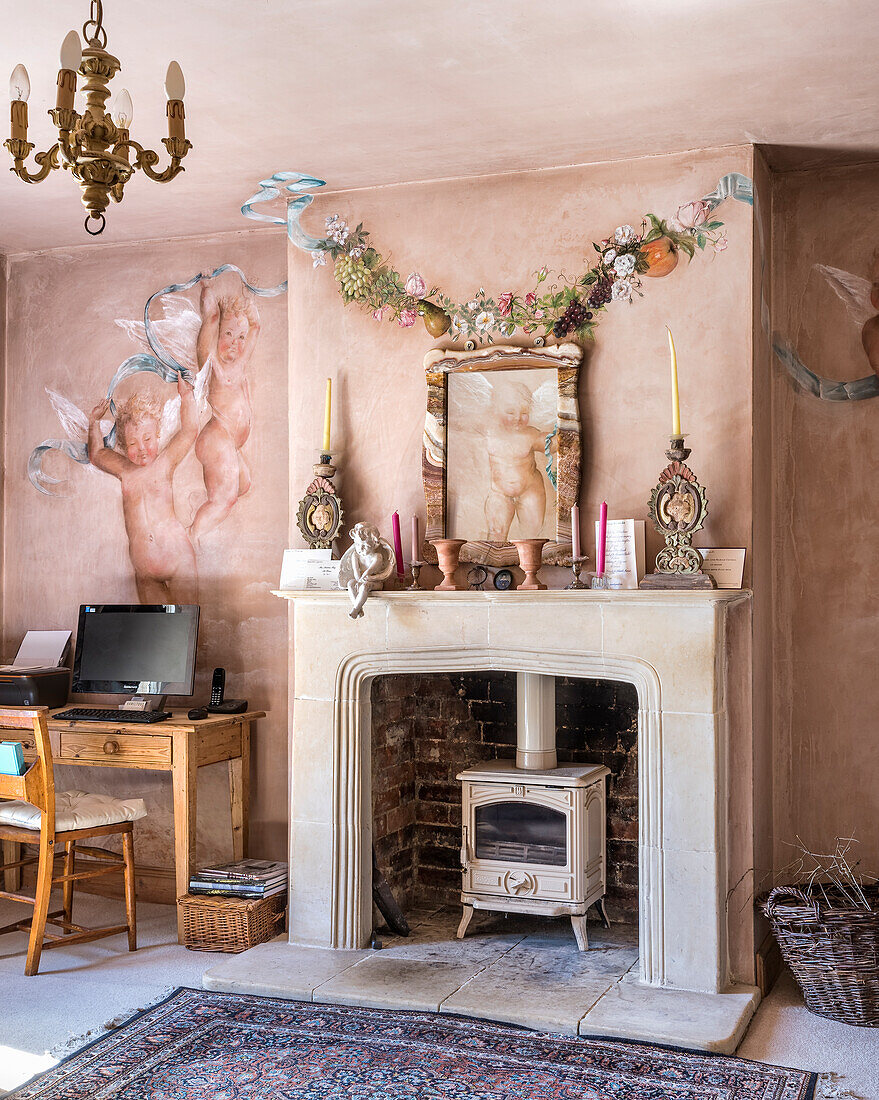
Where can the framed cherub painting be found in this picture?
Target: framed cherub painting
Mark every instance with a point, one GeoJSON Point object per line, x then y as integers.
{"type": "Point", "coordinates": [501, 451]}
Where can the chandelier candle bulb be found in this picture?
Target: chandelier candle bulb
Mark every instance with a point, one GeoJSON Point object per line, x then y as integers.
{"type": "Point", "coordinates": [675, 396]}
{"type": "Point", "coordinates": [327, 414]}
{"type": "Point", "coordinates": [398, 543]}
{"type": "Point", "coordinates": [123, 110]}
{"type": "Point", "coordinates": [71, 52]}
{"type": "Point", "coordinates": [19, 90]}
{"type": "Point", "coordinates": [175, 89]}
{"type": "Point", "coordinates": [71, 59]}
{"type": "Point", "coordinates": [602, 538]}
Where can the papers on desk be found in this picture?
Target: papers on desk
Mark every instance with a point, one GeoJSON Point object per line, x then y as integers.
{"type": "Point", "coordinates": [309, 570]}
{"type": "Point", "coordinates": [40, 649]}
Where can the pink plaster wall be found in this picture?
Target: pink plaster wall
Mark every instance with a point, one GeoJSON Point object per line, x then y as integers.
{"type": "Point", "coordinates": [72, 548]}
{"type": "Point", "coordinates": [826, 569]}
{"type": "Point", "coordinates": [495, 232]}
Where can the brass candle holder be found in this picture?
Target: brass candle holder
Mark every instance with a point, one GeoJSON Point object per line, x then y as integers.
{"type": "Point", "coordinates": [416, 567]}
{"type": "Point", "coordinates": [319, 517]}
{"type": "Point", "coordinates": [678, 508]}
{"type": "Point", "coordinates": [576, 567]}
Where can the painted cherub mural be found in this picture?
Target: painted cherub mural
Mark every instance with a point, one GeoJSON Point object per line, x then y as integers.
{"type": "Point", "coordinates": [140, 436]}
{"type": "Point", "coordinates": [861, 299]}
{"type": "Point", "coordinates": [227, 336]}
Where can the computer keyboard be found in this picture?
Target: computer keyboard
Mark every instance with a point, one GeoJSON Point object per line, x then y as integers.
{"type": "Point", "coordinates": [93, 714]}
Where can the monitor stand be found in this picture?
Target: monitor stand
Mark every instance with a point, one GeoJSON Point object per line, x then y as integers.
{"type": "Point", "coordinates": [144, 702]}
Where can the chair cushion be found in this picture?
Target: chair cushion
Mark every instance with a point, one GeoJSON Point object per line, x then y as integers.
{"type": "Point", "coordinates": [75, 810]}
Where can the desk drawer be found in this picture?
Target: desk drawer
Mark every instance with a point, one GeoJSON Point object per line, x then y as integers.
{"type": "Point", "coordinates": [115, 749]}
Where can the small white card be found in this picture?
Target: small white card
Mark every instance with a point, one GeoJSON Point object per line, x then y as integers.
{"type": "Point", "coordinates": [309, 570]}
{"type": "Point", "coordinates": [726, 566]}
{"type": "Point", "coordinates": [623, 552]}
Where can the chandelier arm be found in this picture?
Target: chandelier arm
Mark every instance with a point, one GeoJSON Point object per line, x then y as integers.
{"type": "Point", "coordinates": [146, 159]}
{"type": "Point", "coordinates": [47, 161]}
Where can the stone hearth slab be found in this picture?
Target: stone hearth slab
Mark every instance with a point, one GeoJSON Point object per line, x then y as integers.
{"type": "Point", "coordinates": [386, 982]}
{"type": "Point", "coordinates": [548, 989]}
{"type": "Point", "coordinates": [698, 1021]}
{"type": "Point", "coordinates": [277, 969]}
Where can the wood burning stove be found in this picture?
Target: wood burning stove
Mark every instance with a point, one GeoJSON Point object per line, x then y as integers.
{"type": "Point", "coordinates": [533, 834]}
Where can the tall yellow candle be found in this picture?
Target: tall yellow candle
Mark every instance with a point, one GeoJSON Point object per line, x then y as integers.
{"type": "Point", "coordinates": [675, 396]}
{"type": "Point", "coordinates": [327, 408]}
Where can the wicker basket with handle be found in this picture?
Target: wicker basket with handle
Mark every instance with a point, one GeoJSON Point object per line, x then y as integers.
{"type": "Point", "coordinates": [213, 923]}
{"type": "Point", "coordinates": [832, 947]}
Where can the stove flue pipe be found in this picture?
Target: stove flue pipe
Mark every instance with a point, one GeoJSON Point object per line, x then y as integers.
{"type": "Point", "coordinates": [535, 721]}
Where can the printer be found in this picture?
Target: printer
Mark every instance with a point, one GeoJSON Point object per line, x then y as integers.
{"type": "Point", "coordinates": [39, 676]}
{"type": "Point", "coordinates": [34, 687]}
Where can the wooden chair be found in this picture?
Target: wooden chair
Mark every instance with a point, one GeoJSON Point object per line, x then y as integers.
{"type": "Point", "coordinates": [90, 816]}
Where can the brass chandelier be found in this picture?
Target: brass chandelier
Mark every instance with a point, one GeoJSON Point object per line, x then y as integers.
{"type": "Point", "coordinates": [95, 146]}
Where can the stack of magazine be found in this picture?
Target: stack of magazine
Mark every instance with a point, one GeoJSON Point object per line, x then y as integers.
{"type": "Point", "coordinates": [245, 878]}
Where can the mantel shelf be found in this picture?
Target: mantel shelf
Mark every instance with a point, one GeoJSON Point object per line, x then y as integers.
{"type": "Point", "coordinates": [553, 595]}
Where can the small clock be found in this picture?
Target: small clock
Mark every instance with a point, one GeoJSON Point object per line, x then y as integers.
{"type": "Point", "coordinates": [503, 580]}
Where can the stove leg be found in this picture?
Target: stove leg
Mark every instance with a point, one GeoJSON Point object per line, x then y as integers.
{"type": "Point", "coordinates": [579, 926]}
{"type": "Point", "coordinates": [466, 917]}
{"type": "Point", "coordinates": [602, 912]}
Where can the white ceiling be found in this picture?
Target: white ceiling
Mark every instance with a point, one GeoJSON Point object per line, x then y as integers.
{"type": "Point", "coordinates": [366, 92]}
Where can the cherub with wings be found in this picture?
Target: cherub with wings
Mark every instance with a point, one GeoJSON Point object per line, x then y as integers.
{"type": "Point", "coordinates": [861, 299]}
{"type": "Point", "coordinates": [517, 425]}
{"type": "Point", "coordinates": [161, 551]}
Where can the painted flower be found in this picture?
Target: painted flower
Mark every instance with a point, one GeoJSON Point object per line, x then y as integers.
{"type": "Point", "coordinates": [621, 291]}
{"type": "Point", "coordinates": [530, 299]}
{"type": "Point", "coordinates": [720, 244]}
{"type": "Point", "coordinates": [506, 328]}
{"type": "Point", "coordinates": [319, 258]}
{"type": "Point", "coordinates": [505, 304]}
{"type": "Point", "coordinates": [690, 215]}
{"type": "Point", "coordinates": [356, 252]}
{"type": "Point", "coordinates": [484, 320]}
{"type": "Point", "coordinates": [378, 314]}
{"type": "Point", "coordinates": [609, 256]}
{"type": "Point", "coordinates": [624, 234]}
{"type": "Point", "coordinates": [460, 326]}
{"type": "Point", "coordinates": [624, 265]}
{"type": "Point", "coordinates": [331, 220]}
{"type": "Point", "coordinates": [542, 273]}
{"type": "Point", "coordinates": [474, 304]}
{"type": "Point", "coordinates": [416, 287]}
{"type": "Point", "coordinates": [538, 314]}
{"type": "Point", "coordinates": [408, 317]}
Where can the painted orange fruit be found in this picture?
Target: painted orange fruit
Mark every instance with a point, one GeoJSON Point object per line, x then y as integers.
{"type": "Point", "coordinates": [662, 257]}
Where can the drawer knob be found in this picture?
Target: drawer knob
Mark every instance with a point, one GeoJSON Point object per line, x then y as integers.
{"type": "Point", "coordinates": [111, 747]}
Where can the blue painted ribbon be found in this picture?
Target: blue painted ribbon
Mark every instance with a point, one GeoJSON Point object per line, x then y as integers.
{"type": "Point", "coordinates": [294, 183]}
{"type": "Point", "coordinates": [550, 473]}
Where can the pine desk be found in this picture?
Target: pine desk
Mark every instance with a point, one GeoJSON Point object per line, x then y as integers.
{"type": "Point", "coordinates": [178, 746]}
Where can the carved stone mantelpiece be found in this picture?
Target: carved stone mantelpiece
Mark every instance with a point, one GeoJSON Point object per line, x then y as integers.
{"type": "Point", "coordinates": [674, 647]}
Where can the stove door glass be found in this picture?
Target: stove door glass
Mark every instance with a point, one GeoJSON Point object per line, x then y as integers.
{"type": "Point", "coordinates": [522, 832]}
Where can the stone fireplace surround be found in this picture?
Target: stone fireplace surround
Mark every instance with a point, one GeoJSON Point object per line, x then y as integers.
{"type": "Point", "coordinates": [674, 647]}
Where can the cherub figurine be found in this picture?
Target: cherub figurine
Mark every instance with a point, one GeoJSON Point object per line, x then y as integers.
{"type": "Point", "coordinates": [161, 552]}
{"type": "Point", "coordinates": [365, 566]}
{"type": "Point", "coordinates": [226, 340]}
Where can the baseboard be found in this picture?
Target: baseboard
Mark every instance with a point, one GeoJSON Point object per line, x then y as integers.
{"type": "Point", "coordinates": [769, 964]}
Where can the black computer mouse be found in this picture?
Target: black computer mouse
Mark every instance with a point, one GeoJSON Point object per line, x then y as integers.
{"type": "Point", "coordinates": [197, 713]}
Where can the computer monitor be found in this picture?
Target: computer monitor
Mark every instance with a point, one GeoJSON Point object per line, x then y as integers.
{"type": "Point", "coordinates": [136, 649]}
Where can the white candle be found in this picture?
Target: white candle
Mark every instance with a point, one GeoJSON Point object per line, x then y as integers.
{"type": "Point", "coordinates": [415, 555]}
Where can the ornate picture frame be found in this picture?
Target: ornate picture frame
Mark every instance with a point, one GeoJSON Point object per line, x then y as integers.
{"type": "Point", "coordinates": [563, 454]}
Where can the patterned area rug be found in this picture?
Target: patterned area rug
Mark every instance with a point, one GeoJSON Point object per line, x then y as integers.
{"type": "Point", "coordinates": [199, 1045]}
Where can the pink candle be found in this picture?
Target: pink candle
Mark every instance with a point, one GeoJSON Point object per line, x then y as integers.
{"type": "Point", "coordinates": [415, 555]}
{"type": "Point", "coordinates": [602, 538]}
{"type": "Point", "coordinates": [398, 544]}
{"type": "Point", "coordinates": [575, 530]}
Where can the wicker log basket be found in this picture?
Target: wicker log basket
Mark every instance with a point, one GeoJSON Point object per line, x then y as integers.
{"type": "Point", "coordinates": [832, 947]}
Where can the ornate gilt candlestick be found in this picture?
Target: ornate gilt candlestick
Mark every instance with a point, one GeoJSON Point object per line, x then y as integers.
{"type": "Point", "coordinates": [576, 567]}
{"type": "Point", "coordinates": [320, 511]}
{"type": "Point", "coordinates": [678, 507]}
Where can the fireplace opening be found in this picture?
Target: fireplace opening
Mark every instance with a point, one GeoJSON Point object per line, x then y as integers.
{"type": "Point", "coordinates": [428, 728]}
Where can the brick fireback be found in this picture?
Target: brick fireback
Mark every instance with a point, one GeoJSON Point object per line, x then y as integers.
{"type": "Point", "coordinates": [427, 728]}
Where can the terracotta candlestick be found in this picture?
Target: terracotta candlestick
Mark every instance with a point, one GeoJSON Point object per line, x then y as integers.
{"type": "Point", "coordinates": [530, 553]}
{"type": "Point", "coordinates": [447, 551]}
